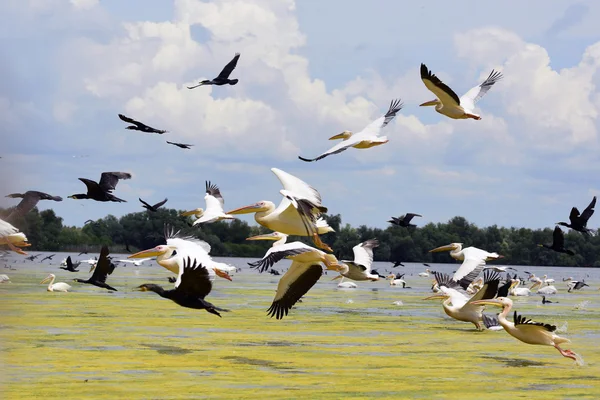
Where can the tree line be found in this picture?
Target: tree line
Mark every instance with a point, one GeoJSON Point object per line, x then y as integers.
{"type": "Point", "coordinates": [143, 230]}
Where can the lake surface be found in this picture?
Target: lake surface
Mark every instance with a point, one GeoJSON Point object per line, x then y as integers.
{"type": "Point", "coordinates": [337, 343]}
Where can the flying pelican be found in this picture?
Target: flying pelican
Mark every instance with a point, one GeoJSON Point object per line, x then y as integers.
{"type": "Point", "coordinates": [404, 220]}
{"type": "Point", "coordinates": [103, 268]}
{"type": "Point", "coordinates": [526, 330]}
{"type": "Point", "coordinates": [11, 236]}
{"type": "Point", "coordinates": [192, 286]}
{"type": "Point", "coordinates": [137, 263]}
{"type": "Point", "coordinates": [457, 305]}
{"type": "Point", "coordinates": [297, 214]}
{"type": "Point", "coordinates": [30, 200]}
{"type": "Point", "coordinates": [55, 287]}
{"type": "Point", "coordinates": [448, 103]}
{"type": "Point", "coordinates": [473, 261]}
{"type": "Point", "coordinates": [223, 78]}
{"type": "Point", "coordinates": [102, 191]}
{"type": "Point", "coordinates": [181, 145]}
{"type": "Point", "coordinates": [558, 242]}
{"type": "Point", "coordinates": [153, 208]}
{"type": "Point", "coordinates": [425, 274]}
{"type": "Point", "coordinates": [576, 285]}
{"type": "Point", "coordinates": [69, 266]}
{"type": "Point", "coordinates": [214, 207]}
{"type": "Point", "coordinates": [579, 222]}
{"type": "Point", "coordinates": [359, 269]}
{"type": "Point", "coordinates": [365, 139]}
{"type": "Point", "coordinates": [138, 126]}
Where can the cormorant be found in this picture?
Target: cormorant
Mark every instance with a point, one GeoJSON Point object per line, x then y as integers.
{"type": "Point", "coordinates": [223, 78]}
{"type": "Point", "coordinates": [192, 286]}
{"type": "Point", "coordinates": [103, 268]}
{"type": "Point", "coordinates": [83, 252]}
{"type": "Point", "coordinates": [182, 145]}
{"type": "Point", "coordinates": [70, 266]}
{"type": "Point", "coordinates": [47, 258]}
{"type": "Point", "coordinates": [544, 301]}
{"type": "Point", "coordinates": [102, 191]}
{"type": "Point", "coordinates": [30, 199]}
{"type": "Point", "coordinates": [404, 220]}
{"type": "Point", "coordinates": [579, 222]}
{"type": "Point", "coordinates": [558, 243]}
{"type": "Point", "coordinates": [397, 263]}
{"type": "Point", "coordinates": [153, 208]}
{"type": "Point", "coordinates": [138, 126]}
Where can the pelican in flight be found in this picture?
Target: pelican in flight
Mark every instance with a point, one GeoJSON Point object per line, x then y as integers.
{"type": "Point", "coordinates": [297, 214]}
{"type": "Point", "coordinates": [473, 261]}
{"type": "Point", "coordinates": [448, 103]}
{"type": "Point", "coordinates": [579, 221]}
{"type": "Point", "coordinates": [214, 207]}
{"type": "Point", "coordinates": [302, 275]}
{"type": "Point", "coordinates": [526, 330]}
{"type": "Point", "coordinates": [359, 269]}
{"type": "Point", "coordinates": [365, 139]}
{"type": "Point", "coordinates": [137, 263]}
{"type": "Point", "coordinates": [12, 237]}
{"type": "Point", "coordinates": [55, 287]}
{"type": "Point", "coordinates": [30, 200]}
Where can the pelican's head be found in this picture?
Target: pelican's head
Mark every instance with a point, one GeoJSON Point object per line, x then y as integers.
{"type": "Point", "coordinates": [261, 206]}
{"type": "Point", "coordinates": [153, 252]}
{"type": "Point", "coordinates": [344, 135]}
{"type": "Point", "coordinates": [197, 212]}
{"type": "Point", "coordinates": [269, 236]}
{"type": "Point", "coordinates": [498, 302]}
{"type": "Point", "coordinates": [448, 247]}
{"type": "Point", "coordinates": [430, 103]}
{"type": "Point", "coordinates": [48, 278]}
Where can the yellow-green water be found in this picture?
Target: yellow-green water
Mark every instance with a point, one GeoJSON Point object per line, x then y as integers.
{"type": "Point", "coordinates": [335, 344]}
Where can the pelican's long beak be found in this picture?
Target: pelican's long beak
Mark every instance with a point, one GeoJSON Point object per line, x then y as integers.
{"type": "Point", "coordinates": [429, 103]}
{"type": "Point", "coordinates": [436, 297]}
{"type": "Point", "coordinates": [342, 135]}
{"type": "Point", "coordinates": [223, 274]}
{"type": "Point", "coordinates": [338, 277]}
{"type": "Point", "coordinates": [266, 236]}
{"type": "Point", "coordinates": [46, 279]}
{"type": "Point", "coordinates": [192, 212]}
{"type": "Point", "coordinates": [147, 253]}
{"type": "Point", "coordinates": [489, 302]}
{"type": "Point", "coordinates": [447, 247]}
{"type": "Point", "coordinates": [246, 209]}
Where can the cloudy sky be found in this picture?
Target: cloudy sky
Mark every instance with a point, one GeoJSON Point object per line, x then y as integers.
{"type": "Point", "coordinates": [308, 70]}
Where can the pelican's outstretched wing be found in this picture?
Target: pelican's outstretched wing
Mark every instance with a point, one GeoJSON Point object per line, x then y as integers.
{"type": "Point", "coordinates": [468, 100]}
{"type": "Point", "coordinates": [440, 89]}
{"type": "Point", "coordinates": [363, 253]}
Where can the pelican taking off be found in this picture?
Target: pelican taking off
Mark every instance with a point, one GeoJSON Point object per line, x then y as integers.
{"type": "Point", "coordinates": [448, 103]}
{"type": "Point", "coordinates": [55, 287]}
{"type": "Point", "coordinates": [473, 261]}
{"type": "Point", "coordinates": [359, 269]}
{"type": "Point", "coordinates": [367, 138]}
{"type": "Point", "coordinates": [214, 207]}
{"type": "Point", "coordinates": [297, 214]}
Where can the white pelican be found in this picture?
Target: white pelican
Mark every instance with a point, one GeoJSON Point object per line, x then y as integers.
{"type": "Point", "coordinates": [526, 330]}
{"type": "Point", "coordinates": [4, 278]}
{"type": "Point", "coordinates": [537, 288]}
{"type": "Point", "coordinates": [199, 249]}
{"type": "Point", "coordinates": [515, 290]}
{"type": "Point", "coordinates": [535, 279]}
{"type": "Point", "coordinates": [425, 274]}
{"type": "Point", "coordinates": [12, 237]}
{"type": "Point", "coordinates": [547, 280]}
{"type": "Point", "coordinates": [297, 214]}
{"type": "Point", "coordinates": [396, 280]}
{"type": "Point", "coordinates": [457, 305]}
{"type": "Point", "coordinates": [448, 103]}
{"type": "Point", "coordinates": [359, 269]}
{"type": "Point", "coordinates": [367, 138]}
{"type": "Point", "coordinates": [346, 285]}
{"type": "Point", "coordinates": [473, 261]}
{"type": "Point", "coordinates": [214, 207]}
{"type": "Point", "coordinates": [137, 263]}
{"type": "Point", "coordinates": [55, 287]}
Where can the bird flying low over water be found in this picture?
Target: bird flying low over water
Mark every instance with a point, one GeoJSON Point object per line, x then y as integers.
{"type": "Point", "coordinates": [12, 237]}
{"type": "Point", "coordinates": [102, 191]}
{"type": "Point", "coordinates": [223, 78]}
{"type": "Point", "coordinates": [558, 242]}
{"type": "Point", "coordinates": [404, 220]}
{"type": "Point", "coordinates": [367, 138]}
{"type": "Point", "coordinates": [153, 208]}
{"type": "Point", "coordinates": [138, 126]}
{"type": "Point", "coordinates": [448, 103]}
{"type": "Point", "coordinates": [579, 221]}
{"type": "Point", "coordinates": [182, 145]}
{"type": "Point", "coordinates": [104, 267]}
{"type": "Point", "coordinates": [526, 330]}
{"type": "Point", "coordinates": [214, 207]}
{"type": "Point", "coordinates": [30, 200]}
{"type": "Point", "coordinates": [192, 286]}
{"type": "Point", "coordinates": [70, 266]}
{"type": "Point", "coordinates": [298, 213]}
{"type": "Point", "coordinates": [359, 269]}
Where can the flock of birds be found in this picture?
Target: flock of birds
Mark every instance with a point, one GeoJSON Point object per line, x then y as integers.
{"type": "Point", "coordinates": [299, 213]}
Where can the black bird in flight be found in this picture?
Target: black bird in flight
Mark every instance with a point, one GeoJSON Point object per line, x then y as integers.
{"type": "Point", "coordinates": [31, 258]}
{"type": "Point", "coordinates": [397, 263]}
{"type": "Point", "coordinates": [579, 221]}
{"type": "Point", "coordinates": [70, 266]}
{"type": "Point", "coordinates": [153, 208]}
{"type": "Point", "coordinates": [103, 268]}
{"type": "Point", "coordinates": [182, 145]}
{"type": "Point", "coordinates": [102, 191]}
{"type": "Point", "coordinates": [404, 220]}
{"type": "Point", "coordinates": [30, 199]}
{"type": "Point", "coordinates": [558, 242]}
{"type": "Point", "coordinates": [223, 78]}
{"type": "Point", "coordinates": [83, 252]}
{"type": "Point", "coordinates": [47, 258]}
{"type": "Point", "coordinates": [192, 286]}
{"type": "Point", "coordinates": [138, 126]}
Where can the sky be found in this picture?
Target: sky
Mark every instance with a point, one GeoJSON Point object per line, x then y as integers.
{"type": "Point", "coordinates": [308, 70]}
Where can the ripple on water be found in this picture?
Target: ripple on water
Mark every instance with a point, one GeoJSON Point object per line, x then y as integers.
{"type": "Point", "coordinates": [164, 349]}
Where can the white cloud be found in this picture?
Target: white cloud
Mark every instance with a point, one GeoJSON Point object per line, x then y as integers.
{"type": "Point", "coordinates": [84, 4]}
